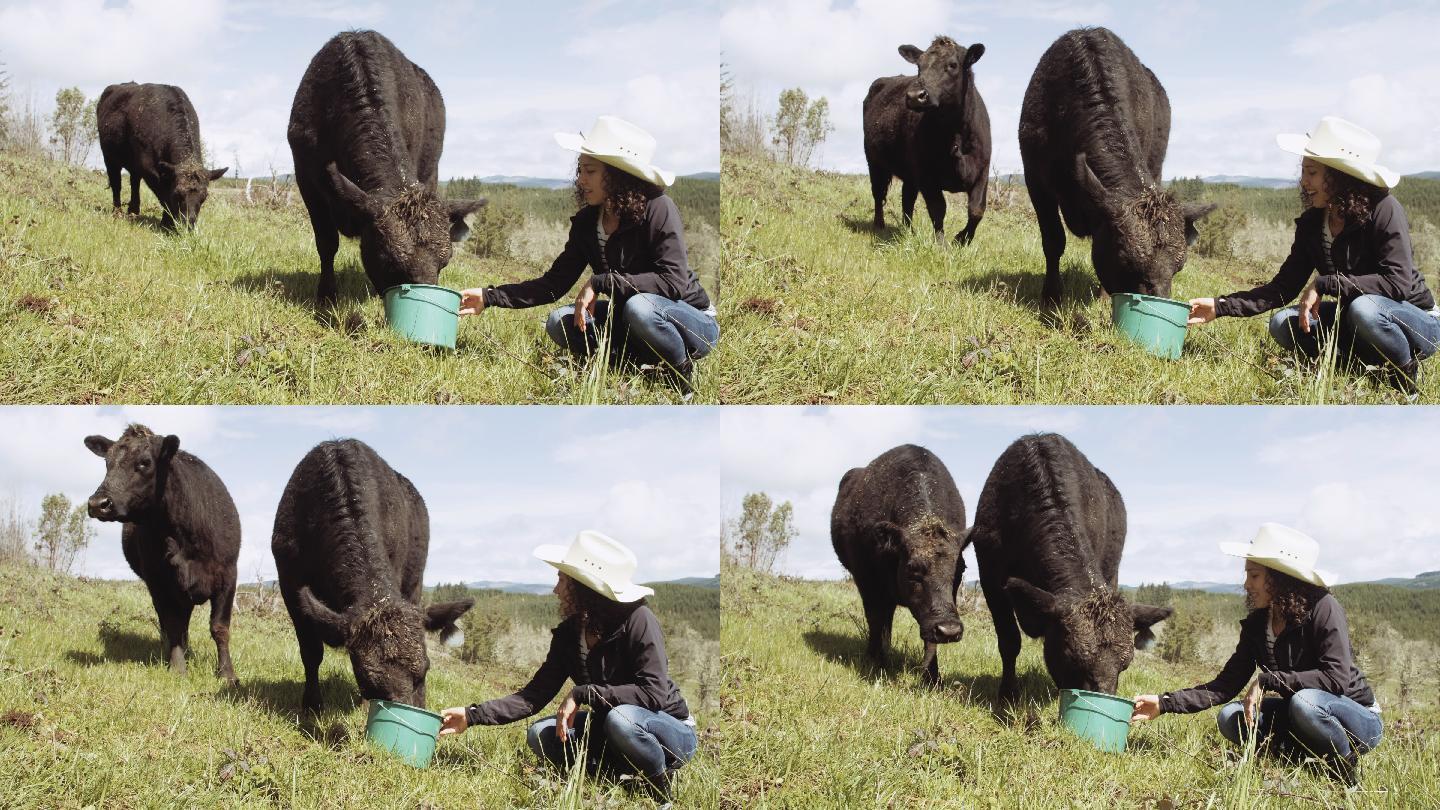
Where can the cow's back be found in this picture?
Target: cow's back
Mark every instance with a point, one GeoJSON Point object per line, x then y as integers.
{"type": "Point", "coordinates": [196, 497]}
{"type": "Point", "coordinates": [903, 485]}
{"type": "Point", "coordinates": [150, 121]}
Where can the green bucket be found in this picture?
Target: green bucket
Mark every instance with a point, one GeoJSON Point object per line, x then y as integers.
{"type": "Point", "coordinates": [424, 313]}
{"type": "Point", "coordinates": [1158, 324]}
{"type": "Point", "coordinates": [406, 730]}
{"type": "Point", "coordinates": [1102, 719]}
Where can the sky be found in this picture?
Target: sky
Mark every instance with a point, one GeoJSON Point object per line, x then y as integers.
{"type": "Point", "coordinates": [1237, 73]}
{"type": "Point", "coordinates": [497, 481]}
{"type": "Point", "coordinates": [511, 74]}
{"type": "Point", "coordinates": [1361, 481]}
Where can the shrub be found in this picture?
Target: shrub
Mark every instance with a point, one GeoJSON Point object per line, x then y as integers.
{"type": "Point", "coordinates": [490, 231]}
{"type": "Point", "coordinates": [1219, 231]}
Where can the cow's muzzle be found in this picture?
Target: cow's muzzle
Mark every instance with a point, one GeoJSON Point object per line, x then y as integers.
{"type": "Point", "coordinates": [101, 507]}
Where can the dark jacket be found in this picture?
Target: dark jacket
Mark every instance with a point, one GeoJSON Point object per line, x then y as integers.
{"type": "Point", "coordinates": [628, 666]}
{"type": "Point", "coordinates": [640, 257]}
{"type": "Point", "coordinates": [1312, 655]}
{"type": "Point", "coordinates": [1371, 257]}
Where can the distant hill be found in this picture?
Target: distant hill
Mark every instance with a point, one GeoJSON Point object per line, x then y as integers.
{"type": "Point", "coordinates": [1248, 182]}
{"type": "Point", "coordinates": [1425, 175]}
{"type": "Point", "coordinates": [526, 182]}
{"type": "Point", "coordinates": [711, 176]}
{"type": "Point", "coordinates": [532, 588]}
{"type": "Point", "coordinates": [696, 582]}
{"type": "Point", "coordinates": [1208, 587]}
{"type": "Point", "coordinates": [1426, 581]}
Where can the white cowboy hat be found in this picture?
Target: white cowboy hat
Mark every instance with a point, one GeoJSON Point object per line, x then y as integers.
{"type": "Point", "coordinates": [1283, 549]}
{"type": "Point", "coordinates": [619, 143]}
{"type": "Point", "coordinates": [1341, 145]}
{"type": "Point", "coordinates": [601, 563]}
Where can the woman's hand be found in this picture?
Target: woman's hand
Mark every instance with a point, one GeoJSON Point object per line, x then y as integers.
{"type": "Point", "coordinates": [584, 305]}
{"type": "Point", "coordinates": [1252, 703]}
{"type": "Point", "coordinates": [1309, 305]}
{"type": "Point", "coordinates": [452, 721]}
{"type": "Point", "coordinates": [1202, 310]}
{"type": "Point", "coordinates": [565, 718]}
{"type": "Point", "coordinates": [1147, 707]}
{"type": "Point", "coordinates": [472, 302]}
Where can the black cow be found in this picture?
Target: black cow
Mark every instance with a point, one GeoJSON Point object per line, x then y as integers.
{"type": "Point", "coordinates": [1094, 127]}
{"type": "Point", "coordinates": [932, 131]}
{"type": "Point", "coordinates": [898, 527]}
{"type": "Point", "coordinates": [351, 538]}
{"type": "Point", "coordinates": [152, 132]}
{"type": "Point", "coordinates": [181, 533]}
{"type": "Point", "coordinates": [1048, 535]}
{"type": "Point", "coordinates": [366, 131]}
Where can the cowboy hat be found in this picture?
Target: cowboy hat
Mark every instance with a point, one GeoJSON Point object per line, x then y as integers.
{"type": "Point", "coordinates": [619, 143]}
{"type": "Point", "coordinates": [1341, 145]}
{"type": "Point", "coordinates": [602, 564]}
{"type": "Point", "coordinates": [1281, 548]}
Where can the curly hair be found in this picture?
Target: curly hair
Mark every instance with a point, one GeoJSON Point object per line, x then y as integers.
{"type": "Point", "coordinates": [595, 611]}
{"type": "Point", "coordinates": [1350, 197]}
{"type": "Point", "coordinates": [625, 194]}
{"type": "Point", "coordinates": [1292, 598]}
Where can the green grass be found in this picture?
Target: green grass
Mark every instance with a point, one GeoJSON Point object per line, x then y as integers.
{"type": "Point", "coordinates": [808, 723]}
{"type": "Point", "coordinates": [824, 310]}
{"type": "Point", "coordinates": [100, 308]}
{"type": "Point", "coordinates": [91, 717]}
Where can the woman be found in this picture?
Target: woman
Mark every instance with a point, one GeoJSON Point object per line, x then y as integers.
{"type": "Point", "coordinates": [1296, 634]}
{"type": "Point", "coordinates": [609, 644]}
{"type": "Point", "coordinates": [1355, 234]}
{"type": "Point", "coordinates": [628, 232]}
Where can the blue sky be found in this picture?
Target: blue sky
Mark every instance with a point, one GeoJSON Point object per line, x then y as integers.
{"type": "Point", "coordinates": [497, 481]}
{"type": "Point", "coordinates": [511, 74]}
{"type": "Point", "coordinates": [1236, 72]}
{"type": "Point", "coordinates": [1359, 480]}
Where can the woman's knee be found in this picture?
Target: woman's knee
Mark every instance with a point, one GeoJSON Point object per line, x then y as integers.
{"type": "Point", "coordinates": [643, 309]}
{"type": "Point", "coordinates": [1306, 708]}
{"type": "Point", "coordinates": [624, 721]}
{"type": "Point", "coordinates": [1228, 721]}
{"type": "Point", "coordinates": [535, 736]}
{"type": "Point", "coordinates": [1366, 315]}
{"type": "Point", "coordinates": [1282, 326]}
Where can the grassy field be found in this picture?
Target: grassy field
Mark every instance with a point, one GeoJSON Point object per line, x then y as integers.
{"type": "Point", "coordinates": [101, 308]}
{"type": "Point", "coordinates": [90, 717]}
{"type": "Point", "coordinates": [824, 310]}
{"type": "Point", "coordinates": [807, 723]}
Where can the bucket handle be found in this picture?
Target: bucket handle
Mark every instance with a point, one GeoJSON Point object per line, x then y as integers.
{"type": "Point", "coordinates": [1144, 307]}
{"type": "Point", "coordinates": [1092, 706]}
{"type": "Point", "coordinates": [401, 720]}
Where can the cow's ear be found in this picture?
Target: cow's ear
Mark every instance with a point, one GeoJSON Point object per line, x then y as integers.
{"type": "Point", "coordinates": [1086, 176]}
{"type": "Point", "coordinates": [216, 174]}
{"type": "Point", "coordinates": [910, 54]}
{"type": "Point", "coordinates": [1193, 213]}
{"type": "Point", "coordinates": [334, 628]}
{"type": "Point", "coordinates": [1145, 616]}
{"type": "Point", "coordinates": [99, 445]}
{"type": "Point", "coordinates": [1030, 599]}
{"type": "Point", "coordinates": [442, 616]}
{"type": "Point", "coordinates": [459, 211]}
{"type": "Point", "coordinates": [168, 446]}
{"type": "Point", "coordinates": [973, 54]}
{"type": "Point", "coordinates": [351, 193]}
{"type": "Point", "coordinates": [164, 168]}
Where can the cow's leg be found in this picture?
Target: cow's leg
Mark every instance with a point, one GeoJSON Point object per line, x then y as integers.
{"type": "Point", "coordinates": [175, 621]}
{"type": "Point", "coordinates": [908, 192]}
{"type": "Point", "coordinates": [935, 204]}
{"type": "Point", "coordinates": [931, 664]}
{"type": "Point", "coordinates": [220, 606]}
{"type": "Point", "coordinates": [975, 208]}
{"type": "Point", "coordinates": [312, 652]}
{"type": "Point", "coordinates": [112, 171]}
{"type": "Point", "coordinates": [327, 243]}
{"type": "Point", "coordinates": [134, 208]}
{"type": "Point", "coordinates": [879, 616]}
{"type": "Point", "coordinates": [879, 187]}
{"type": "Point", "coordinates": [1052, 239]}
{"type": "Point", "coordinates": [1007, 634]}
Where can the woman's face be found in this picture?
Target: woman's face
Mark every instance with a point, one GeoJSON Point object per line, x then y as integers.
{"type": "Point", "coordinates": [1257, 585]}
{"type": "Point", "coordinates": [592, 180]}
{"type": "Point", "coordinates": [1312, 183]}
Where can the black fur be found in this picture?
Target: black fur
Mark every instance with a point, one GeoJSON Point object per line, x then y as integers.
{"type": "Point", "coordinates": [898, 527]}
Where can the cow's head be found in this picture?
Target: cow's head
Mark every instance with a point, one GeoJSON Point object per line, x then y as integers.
{"type": "Point", "coordinates": [1089, 638]}
{"type": "Point", "coordinates": [136, 466]}
{"type": "Point", "coordinates": [404, 237]}
{"type": "Point", "coordinates": [386, 641]}
{"type": "Point", "coordinates": [183, 188]}
{"type": "Point", "coordinates": [1146, 236]}
{"type": "Point", "coordinates": [927, 574]}
{"type": "Point", "coordinates": [945, 75]}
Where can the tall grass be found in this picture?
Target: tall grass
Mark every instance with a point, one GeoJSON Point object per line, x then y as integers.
{"type": "Point", "coordinates": [822, 309]}
{"type": "Point", "coordinates": [90, 716]}
{"type": "Point", "coordinates": [808, 722]}
{"type": "Point", "coordinates": [101, 308]}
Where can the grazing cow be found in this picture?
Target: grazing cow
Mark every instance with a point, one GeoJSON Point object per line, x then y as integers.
{"type": "Point", "coordinates": [1094, 127]}
{"type": "Point", "coordinates": [898, 527]}
{"type": "Point", "coordinates": [932, 131]}
{"type": "Point", "coordinates": [181, 533]}
{"type": "Point", "coordinates": [1048, 535]}
{"type": "Point", "coordinates": [366, 131]}
{"type": "Point", "coordinates": [152, 132]}
{"type": "Point", "coordinates": [351, 538]}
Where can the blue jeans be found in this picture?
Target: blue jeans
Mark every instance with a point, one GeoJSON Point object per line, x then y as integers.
{"type": "Point", "coordinates": [634, 740]}
{"type": "Point", "coordinates": [1314, 720]}
{"type": "Point", "coordinates": [651, 329]}
{"type": "Point", "coordinates": [1375, 329]}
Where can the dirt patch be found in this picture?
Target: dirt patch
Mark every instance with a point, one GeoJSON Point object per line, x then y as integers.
{"type": "Point", "coordinates": [35, 304]}
{"type": "Point", "coordinates": [19, 719]}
